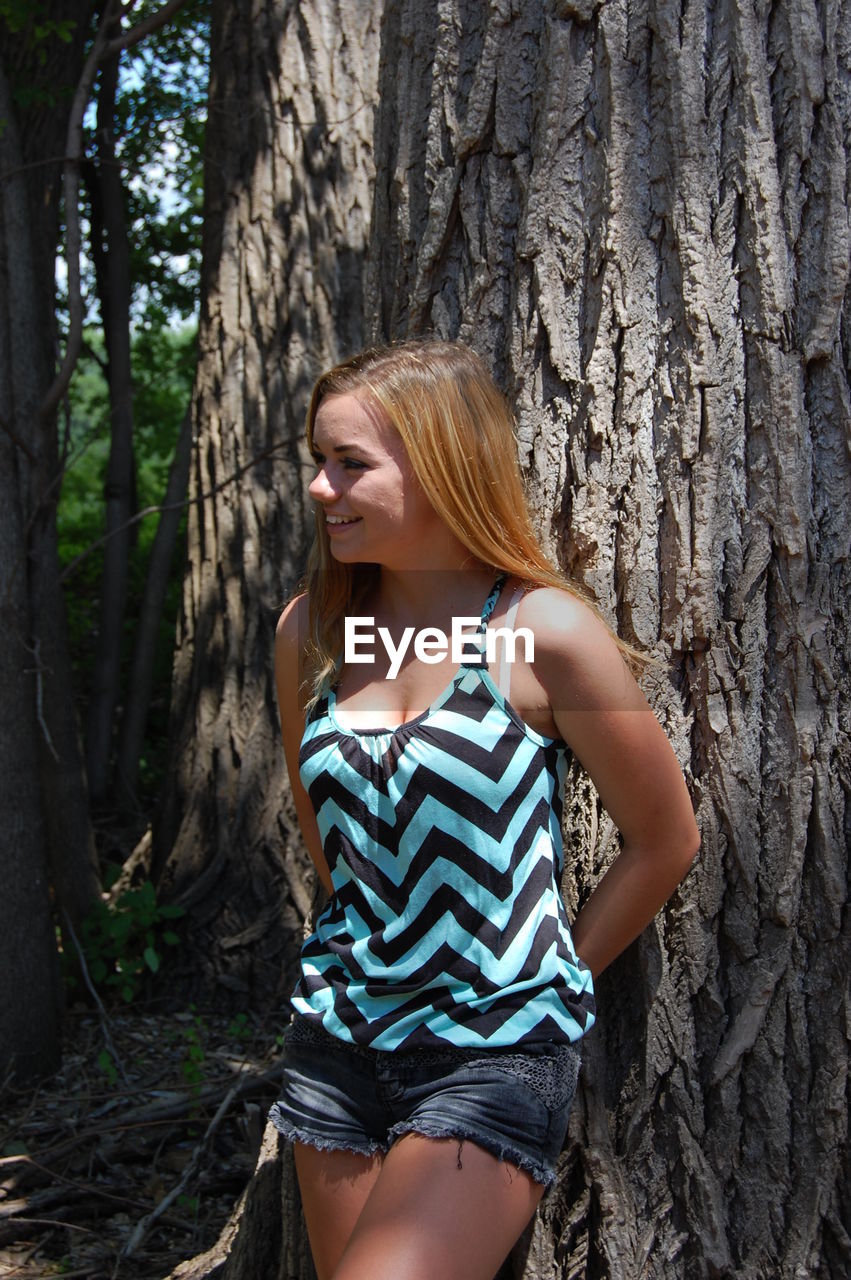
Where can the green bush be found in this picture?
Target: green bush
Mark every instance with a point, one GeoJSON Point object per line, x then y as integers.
{"type": "Point", "coordinates": [123, 941]}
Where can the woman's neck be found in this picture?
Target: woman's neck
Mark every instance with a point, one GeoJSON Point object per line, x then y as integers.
{"type": "Point", "coordinates": [424, 597]}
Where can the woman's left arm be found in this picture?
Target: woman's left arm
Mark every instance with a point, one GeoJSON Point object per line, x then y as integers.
{"type": "Point", "coordinates": [603, 716]}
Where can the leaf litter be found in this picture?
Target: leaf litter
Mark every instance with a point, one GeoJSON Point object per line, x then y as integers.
{"type": "Point", "coordinates": [118, 1170]}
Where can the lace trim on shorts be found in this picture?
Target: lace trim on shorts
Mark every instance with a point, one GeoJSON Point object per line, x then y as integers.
{"type": "Point", "coordinates": [550, 1073]}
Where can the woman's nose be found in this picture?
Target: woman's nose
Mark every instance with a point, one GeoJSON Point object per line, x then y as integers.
{"type": "Point", "coordinates": [320, 488]}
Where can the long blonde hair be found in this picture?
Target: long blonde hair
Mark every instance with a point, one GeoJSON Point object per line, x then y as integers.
{"type": "Point", "coordinates": [459, 435]}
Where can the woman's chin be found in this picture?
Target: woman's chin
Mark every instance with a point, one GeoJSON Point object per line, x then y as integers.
{"type": "Point", "coordinates": [343, 554]}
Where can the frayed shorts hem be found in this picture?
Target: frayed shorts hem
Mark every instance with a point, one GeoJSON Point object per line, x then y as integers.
{"type": "Point", "coordinates": [292, 1133]}
{"type": "Point", "coordinates": [454, 1133]}
{"type": "Point", "coordinates": [513, 1104]}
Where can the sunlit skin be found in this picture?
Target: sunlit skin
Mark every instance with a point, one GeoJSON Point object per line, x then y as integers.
{"type": "Point", "coordinates": [375, 509]}
{"type": "Point", "coordinates": [414, 1214]}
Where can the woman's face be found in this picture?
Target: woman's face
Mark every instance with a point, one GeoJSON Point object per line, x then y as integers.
{"type": "Point", "coordinates": [375, 508]}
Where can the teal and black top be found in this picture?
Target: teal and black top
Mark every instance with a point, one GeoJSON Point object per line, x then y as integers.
{"type": "Point", "coordinates": [443, 839]}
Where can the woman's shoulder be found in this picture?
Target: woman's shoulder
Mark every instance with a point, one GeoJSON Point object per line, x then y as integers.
{"type": "Point", "coordinates": [293, 629]}
{"type": "Point", "coordinates": [558, 616]}
{"type": "Point", "coordinates": [293, 616]}
{"type": "Point", "coordinates": [576, 653]}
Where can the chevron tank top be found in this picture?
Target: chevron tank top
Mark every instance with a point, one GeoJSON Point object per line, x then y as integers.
{"type": "Point", "coordinates": [443, 839]}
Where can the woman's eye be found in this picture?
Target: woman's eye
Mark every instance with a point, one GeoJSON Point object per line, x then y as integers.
{"type": "Point", "coordinates": [348, 464]}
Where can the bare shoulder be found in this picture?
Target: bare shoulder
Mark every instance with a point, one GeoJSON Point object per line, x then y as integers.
{"type": "Point", "coordinates": [555, 613]}
{"type": "Point", "coordinates": [291, 650]}
{"type": "Point", "coordinates": [291, 629]}
{"type": "Point", "coordinates": [575, 652]}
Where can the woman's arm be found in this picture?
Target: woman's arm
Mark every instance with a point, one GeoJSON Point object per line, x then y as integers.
{"type": "Point", "coordinates": [289, 679]}
{"type": "Point", "coordinates": [605, 719]}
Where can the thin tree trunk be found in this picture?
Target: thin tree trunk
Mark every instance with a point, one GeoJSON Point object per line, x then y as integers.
{"type": "Point", "coordinates": [29, 992]}
{"type": "Point", "coordinates": [32, 140]}
{"type": "Point", "coordinates": [140, 685]}
{"type": "Point", "coordinates": [72, 858]}
{"type": "Point", "coordinates": [120, 487]}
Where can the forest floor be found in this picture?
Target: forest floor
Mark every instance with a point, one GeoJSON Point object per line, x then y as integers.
{"type": "Point", "coordinates": [131, 1158]}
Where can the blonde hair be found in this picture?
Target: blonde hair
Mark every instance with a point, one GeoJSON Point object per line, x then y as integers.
{"type": "Point", "coordinates": [459, 436]}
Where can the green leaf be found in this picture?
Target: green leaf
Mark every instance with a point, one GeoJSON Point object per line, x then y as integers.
{"type": "Point", "coordinates": [171, 911]}
{"type": "Point", "coordinates": [152, 960]}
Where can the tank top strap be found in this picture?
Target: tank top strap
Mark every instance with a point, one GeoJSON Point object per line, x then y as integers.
{"type": "Point", "coordinates": [490, 604]}
{"type": "Point", "coordinates": [478, 642]}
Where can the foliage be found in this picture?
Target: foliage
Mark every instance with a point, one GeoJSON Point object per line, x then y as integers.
{"type": "Point", "coordinates": [107, 1065]}
{"type": "Point", "coordinates": [35, 37]}
{"type": "Point", "coordinates": [123, 941]}
{"type": "Point", "coordinates": [163, 365]}
{"type": "Point", "coordinates": [160, 117]}
{"type": "Point", "coordinates": [192, 1065]}
{"type": "Point", "coordinates": [161, 114]}
{"type": "Point", "coordinates": [19, 15]}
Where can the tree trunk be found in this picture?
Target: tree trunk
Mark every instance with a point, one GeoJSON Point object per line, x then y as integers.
{"type": "Point", "coordinates": [45, 812]}
{"type": "Point", "coordinates": [638, 214]}
{"type": "Point", "coordinates": [288, 181]}
{"type": "Point", "coordinates": [29, 994]}
{"type": "Point", "coordinates": [141, 683]}
{"type": "Point", "coordinates": [49, 69]}
{"type": "Point", "coordinates": [112, 257]}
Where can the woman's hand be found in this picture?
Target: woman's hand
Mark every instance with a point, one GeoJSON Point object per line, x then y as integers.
{"type": "Point", "coordinates": [603, 716]}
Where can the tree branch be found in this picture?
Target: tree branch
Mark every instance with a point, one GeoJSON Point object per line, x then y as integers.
{"type": "Point", "coordinates": [189, 1172]}
{"type": "Point", "coordinates": [16, 439]}
{"type": "Point", "coordinates": [171, 506]}
{"type": "Point", "coordinates": [144, 28]}
{"type": "Point", "coordinates": [102, 49]}
{"type": "Point", "coordinates": [105, 1024]}
{"type": "Point", "coordinates": [71, 190]}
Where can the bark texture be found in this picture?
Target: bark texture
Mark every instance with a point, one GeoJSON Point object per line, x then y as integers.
{"type": "Point", "coordinates": [288, 183]}
{"type": "Point", "coordinates": [638, 212]}
{"type": "Point", "coordinates": [29, 991]}
{"type": "Point", "coordinates": [46, 829]}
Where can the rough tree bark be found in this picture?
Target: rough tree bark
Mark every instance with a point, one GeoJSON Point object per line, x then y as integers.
{"type": "Point", "coordinates": [288, 181]}
{"type": "Point", "coordinates": [638, 211]}
{"type": "Point", "coordinates": [29, 1026]}
{"type": "Point", "coordinates": [45, 807]}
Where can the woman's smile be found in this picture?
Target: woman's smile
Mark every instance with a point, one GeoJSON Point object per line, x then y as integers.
{"type": "Point", "coordinates": [336, 524]}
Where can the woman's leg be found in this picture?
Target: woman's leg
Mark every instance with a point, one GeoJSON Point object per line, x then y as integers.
{"type": "Point", "coordinates": [334, 1187]}
{"type": "Point", "coordinates": [438, 1207]}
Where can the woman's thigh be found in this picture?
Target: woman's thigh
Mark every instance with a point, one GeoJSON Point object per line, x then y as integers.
{"type": "Point", "coordinates": [438, 1207]}
{"type": "Point", "coordinates": [334, 1187]}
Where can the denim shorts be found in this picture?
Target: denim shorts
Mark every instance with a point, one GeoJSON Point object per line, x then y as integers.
{"type": "Point", "coordinates": [513, 1103]}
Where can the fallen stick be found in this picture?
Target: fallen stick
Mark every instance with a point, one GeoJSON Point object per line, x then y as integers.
{"type": "Point", "coordinates": [151, 1114]}
{"type": "Point", "coordinates": [188, 1174]}
{"type": "Point", "coordinates": [105, 1024]}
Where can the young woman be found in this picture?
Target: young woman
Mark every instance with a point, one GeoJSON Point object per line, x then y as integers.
{"type": "Point", "coordinates": [432, 1060]}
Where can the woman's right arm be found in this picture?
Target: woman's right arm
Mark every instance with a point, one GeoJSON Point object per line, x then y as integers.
{"type": "Point", "coordinates": [289, 680]}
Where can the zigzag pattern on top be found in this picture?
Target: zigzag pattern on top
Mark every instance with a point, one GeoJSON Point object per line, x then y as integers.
{"type": "Point", "coordinates": [443, 838]}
